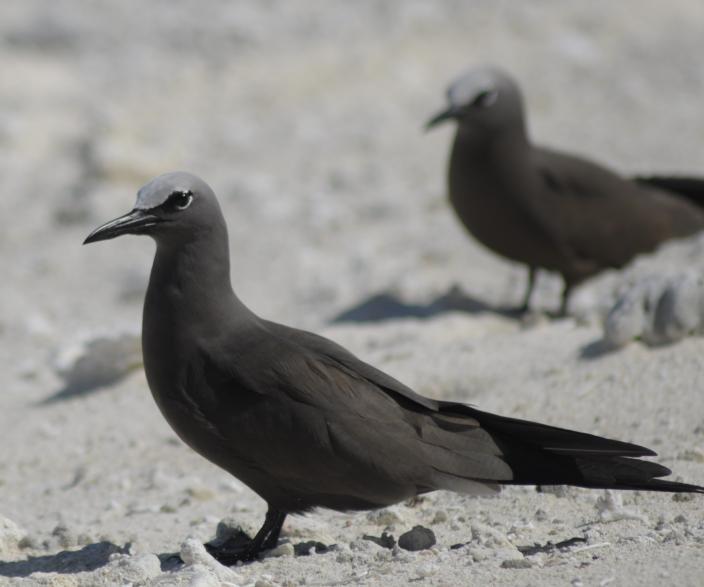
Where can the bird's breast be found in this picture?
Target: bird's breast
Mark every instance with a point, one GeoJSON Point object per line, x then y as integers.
{"type": "Point", "coordinates": [485, 199]}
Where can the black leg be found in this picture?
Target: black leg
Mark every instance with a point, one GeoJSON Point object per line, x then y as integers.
{"type": "Point", "coordinates": [242, 548]}
{"type": "Point", "coordinates": [532, 272]}
{"type": "Point", "coordinates": [565, 299]}
{"type": "Point", "coordinates": [268, 535]}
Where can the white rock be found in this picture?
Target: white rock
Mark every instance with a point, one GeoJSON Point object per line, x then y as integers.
{"type": "Point", "coordinates": [385, 517]}
{"type": "Point", "coordinates": [191, 576]}
{"type": "Point", "coordinates": [632, 314]}
{"type": "Point", "coordinates": [284, 549]}
{"type": "Point", "coordinates": [10, 536]}
{"type": "Point", "coordinates": [610, 508]}
{"type": "Point", "coordinates": [99, 360]}
{"type": "Point", "coordinates": [488, 536]}
{"type": "Point", "coordinates": [679, 310]}
{"type": "Point", "coordinates": [193, 553]}
{"type": "Point", "coordinates": [426, 570]}
{"type": "Point", "coordinates": [657, 309]}
{"type": "Point", "coordinates": [138, 568]}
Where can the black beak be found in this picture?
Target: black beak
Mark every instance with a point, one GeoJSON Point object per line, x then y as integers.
{"type": "Point", "coordinates": [448, 114]}
{"type": "Point", "coordinates": [132, 223]}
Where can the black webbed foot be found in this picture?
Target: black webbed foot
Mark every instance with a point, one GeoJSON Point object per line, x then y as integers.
{"type": "Point", "coordinates": [237, 548]}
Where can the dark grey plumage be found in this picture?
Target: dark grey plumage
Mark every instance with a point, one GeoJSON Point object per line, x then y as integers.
{"type": "Point", "coordinates": [548, 209]}
{"type": "Point", "coordinates": [301, 420]}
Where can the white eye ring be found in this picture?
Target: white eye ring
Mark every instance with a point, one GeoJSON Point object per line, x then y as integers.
{"type": "Point", "coordinates": [189, 200]}
{"type": "Point", "coordinates": [485, 98]}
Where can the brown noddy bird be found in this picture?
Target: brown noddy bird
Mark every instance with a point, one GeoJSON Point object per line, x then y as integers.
{"type": "Point", "coordinates": [302, 421]}
{"type": "Point", "coordinates": [548, 209]}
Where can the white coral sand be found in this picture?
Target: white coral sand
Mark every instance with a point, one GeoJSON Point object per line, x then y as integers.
{"type": "Point", "coordinates": [306, 118]}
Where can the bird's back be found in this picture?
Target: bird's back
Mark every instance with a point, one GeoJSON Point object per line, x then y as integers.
{"type": "Point", "coordinates": [605, 218]}
{"type": "Point", "coordinates": [560, 212]}
{"type": "Point", "coordinates": [328, 430]}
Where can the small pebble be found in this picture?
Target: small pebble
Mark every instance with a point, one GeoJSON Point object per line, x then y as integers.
{"type": "Point", "coordinates": [693, 454]}
{"type": "Point", "coordinates": [541, 515]}
{"type": "Point", "coordinates": [310, 547]}
{"type": "Point", "coordinates": [385, 517]}
{"type": "Point", "coordinates": [426, 570]}
{"type": "Point", "coordinates": [489, 536]}
{"type": "Point", "coordinates": [284, 549]}
{"type": "Point", "coordinates": [200, 493]}
{"type": "Point", "coordinates": [419, 538]}
{"type": "Point", "coordinates": [516, 563]}
{"type": "Point", "coordinates": [440, 517]}
{"type": "Point", "coordinates": [479, 554]}
{"type": "Point", "coordinates": [64, 536]}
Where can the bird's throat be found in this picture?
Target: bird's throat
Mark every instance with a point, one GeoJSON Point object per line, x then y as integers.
{"type": "Point", "coordinates": [191, 283]}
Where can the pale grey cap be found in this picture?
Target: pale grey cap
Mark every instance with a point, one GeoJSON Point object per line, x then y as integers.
{"type": "Point", "coordinates": [158, 190]}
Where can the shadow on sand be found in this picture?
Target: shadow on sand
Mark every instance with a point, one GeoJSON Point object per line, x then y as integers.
{"type": "Point", "coordinates": [88, 558]}
{"type": "Point", "coordinates": [386, 306]}
{"type": "Point", "coordinates": [597, 349]}
{"type": "Point", "coordinates": [81, 389]}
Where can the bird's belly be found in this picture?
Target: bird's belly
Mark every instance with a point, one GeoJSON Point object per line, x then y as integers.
{"type": "Point", "coordinates": [201, 433]}
{"type": "Point", "coordinates": [276, 449]}
{"type": "Point", "coordinates": [185, 418]}
{"type": "Point", "coordinates": [168, 381]}
{"type": "Point", "coordinates": [291, 461]}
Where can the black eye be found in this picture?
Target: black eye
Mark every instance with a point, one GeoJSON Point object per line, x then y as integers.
{"type": "Point", "coordinates": [180, 200]}
{"type": "Point", "coordinates": [485, 98]}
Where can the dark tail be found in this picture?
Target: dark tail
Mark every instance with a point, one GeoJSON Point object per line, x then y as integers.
{"type": "Point", "coordinates": [544, 455]}
{"type": "Point", "coordinates": [690, 188]}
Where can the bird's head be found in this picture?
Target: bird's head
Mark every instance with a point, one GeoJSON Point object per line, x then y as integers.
{"type": "Point", "coordinates": [482, 99]}
{"type": "Point", "coordinates": [174, 206]}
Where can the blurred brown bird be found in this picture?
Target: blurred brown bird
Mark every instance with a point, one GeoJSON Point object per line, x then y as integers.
{"type": "Point", "coordinates": [547, 209]}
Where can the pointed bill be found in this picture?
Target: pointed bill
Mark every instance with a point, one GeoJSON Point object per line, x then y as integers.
{"type": "Point", "coordinates": [131, 223]}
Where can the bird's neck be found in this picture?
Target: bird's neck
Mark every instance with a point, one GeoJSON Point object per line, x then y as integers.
{"type": "Point", "coordinates": [511, 136]}
{"type": "Point", "coordinates": [471, 144]}
{"type": "Point", "coordinates": [191, 281]}
{"type": "Point", "coordinates": [485, 161]}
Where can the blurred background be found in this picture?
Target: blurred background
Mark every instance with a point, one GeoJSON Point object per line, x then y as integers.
{"type": "Point", "coordinates": [307, 119]}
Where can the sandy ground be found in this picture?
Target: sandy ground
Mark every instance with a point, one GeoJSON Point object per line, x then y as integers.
{"type": "Point", "coordinates": [306, 118]}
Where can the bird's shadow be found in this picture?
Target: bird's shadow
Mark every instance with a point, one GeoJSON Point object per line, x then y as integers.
{"type": "Point", "coordinates": [76, 390]}
{"type": "Point", "coordinates": [597, 349]}
{"type": "Point", "coordinates": [172, 561]}
{"type": "Point", "coordinates": [600, 348]}
{"type": "Point", "coordinates": [387, 306]}
{"type": "Point", "coordinates": [89, 558]}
